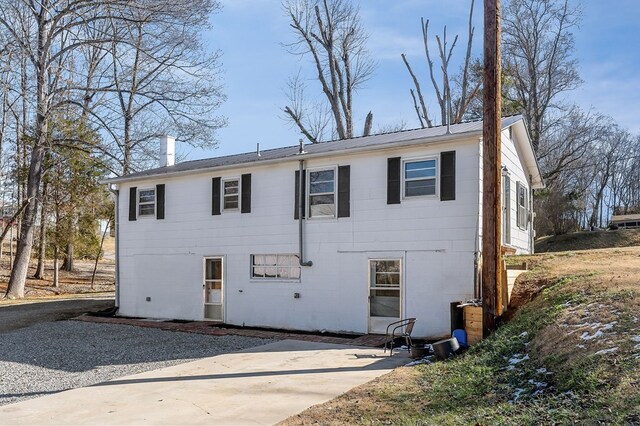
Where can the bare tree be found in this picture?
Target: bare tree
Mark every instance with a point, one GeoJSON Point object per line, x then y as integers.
{"type": "Point", "coordinates": [455, 93]}
{"type": "Point", "coordinates": [162, 81]}
{"type": "Point", "coordinates": [330, 32]}
{"type": "Point", "coordinates": [537, 49]}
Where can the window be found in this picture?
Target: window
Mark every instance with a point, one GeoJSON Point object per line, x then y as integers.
{"type": "Point", "coordinates": [322, 193]}
{"type": "Point", "coordinates": [231, 194]}
{"type": "Point", "coordinates": [420, 177]}
{"type": "Point", "coordinates": [146, 202]}
{"type": "Point", "coordinates": [275, 266]}
{"type": "Point", "coordinates": [522, 206]}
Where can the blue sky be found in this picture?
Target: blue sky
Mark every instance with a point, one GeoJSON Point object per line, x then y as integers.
{"type": "Point", "coordinates": [256, 66]}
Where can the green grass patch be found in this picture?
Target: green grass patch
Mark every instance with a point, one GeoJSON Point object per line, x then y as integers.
{"type": "Point", "coordinates": [511, 378]}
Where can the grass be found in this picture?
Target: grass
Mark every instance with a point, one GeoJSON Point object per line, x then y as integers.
{"type": "Point", "coordinates": [552, 363]}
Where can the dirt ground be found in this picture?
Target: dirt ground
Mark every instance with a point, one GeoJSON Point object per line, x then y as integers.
{"type": "Point", "coordinates": [599, 239]}
{"type": "Point", "coordinates": [617, 268]}
{"type": "Point", "coordinates": [77, 282]}
{"type": "Point", "coordinates": [19, 315]}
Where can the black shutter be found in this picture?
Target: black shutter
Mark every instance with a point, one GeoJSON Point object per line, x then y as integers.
{"type": "Point", "coordinates": [344, 189]}
{"type": "Point", "coordinates": [215, 195]}
{"type": "Point", "coordinates": [393, 180]}
{"type": "Point", "coordinates": [133, 194]}
{"type": "Point", "coordinates": [245, 206]}
{"type": "Point", "coordinates": [160, 201]}
{"type": "Point", "coordinates": [296, 203]}
{"type": "Point", "coordinates": [447, 176]}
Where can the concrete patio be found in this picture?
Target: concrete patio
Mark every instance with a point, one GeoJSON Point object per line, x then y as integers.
{"type": "Point", "coordinates": [262, 385]}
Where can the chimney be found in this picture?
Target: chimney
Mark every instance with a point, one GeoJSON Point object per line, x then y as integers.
{"type": "Point", "coordinates": [167, 151]}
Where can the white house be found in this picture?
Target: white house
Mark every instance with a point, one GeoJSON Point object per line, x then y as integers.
{"type": "Point", "coordinates": [378, 228]}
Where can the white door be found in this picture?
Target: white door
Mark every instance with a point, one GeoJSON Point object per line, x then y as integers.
{"type": "Point", "coordinates": [385, 293]}
{"type": "Point", "coordinates": [213, 289]}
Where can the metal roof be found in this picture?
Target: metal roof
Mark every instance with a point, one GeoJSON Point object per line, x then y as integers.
{"type": "Point", "coordinates": [428, 135]}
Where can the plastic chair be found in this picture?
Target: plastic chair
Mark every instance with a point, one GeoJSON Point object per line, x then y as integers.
{"type": "Point", "coordinates": [399, 330]}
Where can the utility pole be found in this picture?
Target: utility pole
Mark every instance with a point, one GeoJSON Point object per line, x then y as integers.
{"type": "Point", "coordinates": [491, 205]}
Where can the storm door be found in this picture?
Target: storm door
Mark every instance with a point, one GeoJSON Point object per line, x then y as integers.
{"type": "Point", "coordinates": [384, 293]}
{"type": "Point", "coordinates": [213, 289]}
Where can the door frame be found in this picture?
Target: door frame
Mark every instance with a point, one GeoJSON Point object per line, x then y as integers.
{"type": "Point", "coordinates": [223, 285]}
{"type": "Point", "coordinates": [400, 259]}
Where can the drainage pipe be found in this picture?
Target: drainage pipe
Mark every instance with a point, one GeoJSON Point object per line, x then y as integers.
{"type": "Point", "coordinates": [301, 216]}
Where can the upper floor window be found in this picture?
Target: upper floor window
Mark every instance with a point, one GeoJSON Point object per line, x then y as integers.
{"type": "Point", "coordinates": [231, 194]}
{"type": "Point", "coordinates": [322, 193]}
{"type": "Point", "coordinates": [420, 177]}
{"type": "Point", "coordinates": [146, 202]}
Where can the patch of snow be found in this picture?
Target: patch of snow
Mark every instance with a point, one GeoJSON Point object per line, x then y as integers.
{"type": "Point", "coordinates": [516, 359]}
{"type": "Point", "coordinates": [606, 351]}
{"type": "Point", "coordinates": [635, 339]}
{"type": "Point", "coordinates": [517, 394]}
{"type": "Point", "coordinates": [543, 371]}
{"type": "Point", "coordinates": [523, 334]}
{"type": "Point", "coordinates": [580, 346]}
{"type": "Point", "coordinates": [608, 326]}
{"type": "Point", "coordinates": [426, 360]}
{"type": "Point", "coordinates": [538, 384]}
{"type": "Point", "coordinates": [637, 346]}
{"type": "Point", "coordinates": [570, 394]}
{"type": "Point", "coordinates": [587, 336]}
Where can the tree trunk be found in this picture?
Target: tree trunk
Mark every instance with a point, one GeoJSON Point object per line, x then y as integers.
{"type": "Point", "coordinates": [56, 283]}
{"type": "Point", "coordinates": [36, 167]}
{"type": "Point", "coordinates": [25, 243]}
{"type": "Point", "coordinates": [42, 244]}
{"type": "Point", "coordinates": [67, 264]}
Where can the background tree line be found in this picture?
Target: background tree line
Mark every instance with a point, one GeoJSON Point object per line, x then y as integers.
{"type": "Point", "coordinates": [590, 165]}
{"type": "Point", "coordinates": [86, 88]}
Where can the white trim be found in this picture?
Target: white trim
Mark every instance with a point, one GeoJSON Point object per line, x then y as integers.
{"type": "Point", "coordinates": [436, 195]}
{"type": "Point", "coordinates": [252, 278]}
{"type": "Point", "coordinates": [146, 203]}
{"type": "Point", "coordinates": [308, 195]}
{"type": "Point", "coordinates": [400, 288]}
{"type": "Point", "coordinates": [222, 284]}
{"type": "Point", "coordinates": [222, 194]}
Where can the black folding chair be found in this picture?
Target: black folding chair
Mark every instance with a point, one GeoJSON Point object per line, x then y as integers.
{"type": "Point", "coordinates": [399, 330]}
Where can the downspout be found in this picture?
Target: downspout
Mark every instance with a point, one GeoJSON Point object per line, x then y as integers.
{"type": "Point", "coordinates": [301, 212]}
{"type": "Point", "coordinates": [116, 223]}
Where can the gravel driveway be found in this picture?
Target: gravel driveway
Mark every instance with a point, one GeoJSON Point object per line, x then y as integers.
{"type": "Point", "coordinates": [55, 356]}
